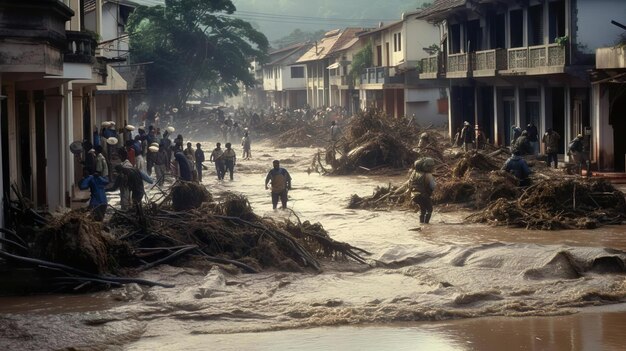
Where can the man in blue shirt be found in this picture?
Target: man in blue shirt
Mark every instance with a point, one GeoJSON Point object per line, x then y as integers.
{"type": "Point", "coordinates": [98, 199]}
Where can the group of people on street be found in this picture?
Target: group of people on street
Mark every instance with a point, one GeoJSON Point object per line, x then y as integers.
{"type": "Point", "coordinates": [127, 168]}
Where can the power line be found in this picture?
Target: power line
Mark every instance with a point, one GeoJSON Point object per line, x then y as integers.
{"type": "Point", "coordinates": [271, 15]}
{"type": "Point", "coordinates": [295, 21]}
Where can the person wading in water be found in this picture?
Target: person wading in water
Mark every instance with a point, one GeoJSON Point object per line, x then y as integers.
{"type": "Point", "coordinates": [281, 184]}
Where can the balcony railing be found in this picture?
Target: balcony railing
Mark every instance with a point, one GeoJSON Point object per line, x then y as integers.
{"type": "Point", "coordinates": [379, 75]}
{"type": "Point", "coordinates": [491, 60]}
{"type": "Point", "coordinates": [539, 56]}
{"type": "Point", "coordinates": [517, 58]}
{"type": "Point", "coordinates": [81, 47]}
{"type": "Point", "coordinates": [431, 64]}
{"type": "Point", "coordinates": [458, 63]}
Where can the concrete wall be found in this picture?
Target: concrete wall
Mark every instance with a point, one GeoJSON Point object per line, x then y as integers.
{"type": "Point", "coordinates": [419, 34]}
{"type": "Point", "coordinates": [422, 103]}
{"type": "Point", "coordinates": [292, 83]}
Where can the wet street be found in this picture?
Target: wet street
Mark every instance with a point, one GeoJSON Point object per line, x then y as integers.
{"type": "Point", "coordinates": [444, 286]}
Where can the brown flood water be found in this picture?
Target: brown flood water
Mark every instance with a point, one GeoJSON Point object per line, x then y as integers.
{"type": "Point", "coordinates": [448, 286]}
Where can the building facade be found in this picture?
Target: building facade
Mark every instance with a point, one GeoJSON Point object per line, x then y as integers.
{"type": "Point", "coordinates": [284, 80]}
{"type": "Point", "coordinates": [510, 63]}
{"type": "Point", "coordinates": [392, 83]}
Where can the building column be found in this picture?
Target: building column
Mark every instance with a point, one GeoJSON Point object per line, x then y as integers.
{"type": "Point", "coordinates": [568, 120]}
{"type": "Point", "coordinates": [496, 120]}
{"type": "Point", "coordinates": [67, 135]}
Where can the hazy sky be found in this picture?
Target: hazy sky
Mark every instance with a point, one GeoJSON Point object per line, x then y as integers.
{"type": "Point", "coordinates": [277, 18]}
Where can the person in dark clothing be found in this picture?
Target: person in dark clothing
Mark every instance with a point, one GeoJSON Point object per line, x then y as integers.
{"type": "Point", "coordinates": [98, 199]}
{"type": "Point", "coordinates": [281, 184]}
{"type": "Point", "coordinates": [522, 145]}
{"type": "Point", "coordinates": [517, 132]}
{"type": "Point", "coordinates": [467, 136]}
{"type": "Point", "coordinates": [132, 179]}
{"type": "Point", "coordinates": [422, 185]}
{"type": "Point", "coordinates": [230, 159]}
{"type": "Point", "coordinates": [90, 160]}
{"type": "Point", "coordinates": [160, 164]}
{"type": "Point", "coordinates": [199, 159]}
{"type": "Point", "coordinates": [184, 166]}
{"type": "Point", "coordinates": [551, 140]}
{"type": "Point", "coordinates": [533, 137]}
{"type": "Point", "coordinates": [216, 156]}
{"type": "Point", "coordinates": [579, 155]}
{"type": "Point", "coordinates": [518, 167]}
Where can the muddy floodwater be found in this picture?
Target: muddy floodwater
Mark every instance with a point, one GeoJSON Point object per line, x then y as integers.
{"type": "Point", "coordinates": [444, 286]}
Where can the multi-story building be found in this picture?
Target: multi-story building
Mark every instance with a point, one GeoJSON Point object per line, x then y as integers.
{"type": "Point", "coordinates": [109, 19]}
{"type": "Point", "coordinates": [509, 63]}
{"type": "Point", "coordinates": [284, 80]}
{"type": "Point", "coordinates": [57, 86]}
{"type": "Point", "coordinates": [319, 61]}
{"type": "Point", "coordinates": [43, 60]}
{"type": "Point", "coordinates": [392, 84]}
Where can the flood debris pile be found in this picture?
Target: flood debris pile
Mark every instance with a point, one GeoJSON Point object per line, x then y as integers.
{"type": "Point", "coordinates": [188, 195]}
{"type": "Point", "coordinates": [309, 134]}
{"type": "Point", "coordinates": [473, 180]}
{"type": "Point", "coordinates": [558, 204]}
{"type": "Point", "coordinates": [373, 140]}
{"type": "Point", "coordinates": [77, 252]}
{"type": "Point", "coordinates": [554, 201]}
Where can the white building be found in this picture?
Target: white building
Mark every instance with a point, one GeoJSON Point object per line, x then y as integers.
{"type": "Point", "coordinates": [392, 83]}
{"type": "Point", "coordinates": [284, 80]}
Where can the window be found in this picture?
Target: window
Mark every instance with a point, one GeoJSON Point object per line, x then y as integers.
{"type": "Point", "coordinates": [397, 42]}
{"type": "Point", "coordinates": [297, 72]}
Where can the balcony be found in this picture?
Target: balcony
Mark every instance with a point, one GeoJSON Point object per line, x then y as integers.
{"type": "Point", "coordinates": [534, 60]}
{"type": "Point", "coordinates": [458, 66]}
{"type": "Point", "coordinates": [81, 48]}
{"type": "Point", "coordinates": [381, 75]}
{"type": "Point", "coordinates": [431, 67]}
{"type": "Point", "coordinates": [486, 63]}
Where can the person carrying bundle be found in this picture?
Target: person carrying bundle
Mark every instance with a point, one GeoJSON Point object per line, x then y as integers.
{"type": "Point", "coordinates": [422, 185]}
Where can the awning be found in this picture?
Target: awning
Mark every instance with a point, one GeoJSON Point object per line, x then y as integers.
{"type": "Point", "coordinates": [333, 66]}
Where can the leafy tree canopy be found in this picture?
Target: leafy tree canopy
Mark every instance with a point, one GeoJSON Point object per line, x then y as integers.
{"type": "Point", "coordinates": [360, 61]}
{"type": "Point", "coordinates": [192, 44]}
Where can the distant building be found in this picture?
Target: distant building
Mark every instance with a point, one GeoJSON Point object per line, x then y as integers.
{"type": "Point", "coordinates": [284, 81]}
{"type": "Point", "coordinates": [323, 56]}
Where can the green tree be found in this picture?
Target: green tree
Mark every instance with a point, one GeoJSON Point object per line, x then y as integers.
{"type": "Point", "coordinates": [191, 44]}
{"type": "Point", "coordinates": [361, 60]}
